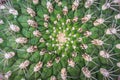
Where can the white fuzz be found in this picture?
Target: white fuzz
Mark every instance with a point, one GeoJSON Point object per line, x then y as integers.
{"type": "Point", "coordinates": [32, 49]}
{"type": "Point", "coordinates": [110, 31]}
{"type": "Point", "coordinates": [58, 16]}
{"type": "Point", "coordinates": [80, 30]}
{"type": "Point", "coordinates": [46, 17]}
{"type": "Point", "coordinates": [117, 46]}
{"type": "Point", "coordinates": [31, 12]}
{"type": "Point", "coordinates": [118, 64]}
{"type": "Point", "coordinates": [32, 23]}
{"type": "Point", "coordinates": [46, 24]}
{"type": "Point", "coordinates": [49, 6]}
{"type": "Point", "coordinates": [41, 40]}
{"type": "Point", "coordinates": [24, 64]}
{"type": "Point", "coordinates": [2, 7]}
{"type": "Point", "coordinates": [68, 21]}
{"type": "Point", "coordinates": [97, 42]}
{"type": "Point", "coordinates": [43, 51]}
{"type": "Point", "coordinates": [13, 12]}
{"type": "Point", "coordinates": [37, 33]}
{"type": "Point", "coordinates": [21, 40]}
{"type": "Point", "coordinates": [104, 72]}
{"type": "Point", "coordinates": [38, 66]}
{"type": "Point", "coordinates": [117, 16]}
{"type": "Point", "coordinates": [106, 6]}
{"type": "Point", "coordinates": [75, 19]}
{"type": "Point", "coordinates": [75, 5]}
{"type": "Point", "coordinates": [9, 55]}
{"type": "Point", "coordinates": [35, 1]}
{"type": "Point", "coordinates": [74, 54]}
{"type": "Point", "coordinates": [1, 40]}
{"type": "Point", "coordinates": [71, 63]}
{"type": "Point", "coordinates": [49, 64]}
{"type": "Point", "coordinates": [55, 22]}
{"type": "Point", "coordinates": [104, 54]}
{"type": "Point", "coordinates": [86, 72]}
{"type": "Point", "coordinates": [65, 10]}
{"type": "Point", "coordinates": [53, 78]}
{"type": "Point", "coordinates": [61, 38]}
{"type": "Point", "coordinates": [98, 22]}
{"type": "Point", "coordinates": [116, 1]}
{"type": "Point", "coordinates": [86, 18]}
{"type": "Point", "coordinates": [1, 22]}
{"type": "Point", "coordinates": [87, 33]}
{"type": "Point", "coordinates": [59, 3]}
{"type": "Point", "coordinates": [63, 74]}
{"type": "Point", "coordinates": [88, 3]}
{"type": "Point", "coordinates": [87, 57]}
{"type": "Point", "coordinates": [83, 46]}
{"type": "Point", "coordinates": [7, 75]}
{"type": "Point", "coordinates": [57, 59]}
{"type": "Point", "coordinates": [14, 28]}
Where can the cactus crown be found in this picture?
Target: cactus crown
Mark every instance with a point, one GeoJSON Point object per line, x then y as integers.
{"type": "Point", "coordinates": [59, 39]}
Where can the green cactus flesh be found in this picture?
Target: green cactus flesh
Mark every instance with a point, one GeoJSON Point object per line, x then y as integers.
{"type": "Point", "coordinates": [59, 39]}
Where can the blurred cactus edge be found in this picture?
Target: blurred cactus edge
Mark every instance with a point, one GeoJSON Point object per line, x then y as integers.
{"type": "Point", "coordinates": [59, 39]}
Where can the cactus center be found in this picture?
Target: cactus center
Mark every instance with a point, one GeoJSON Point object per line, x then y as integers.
{"type": "Point", "coordinates": [61, 38]}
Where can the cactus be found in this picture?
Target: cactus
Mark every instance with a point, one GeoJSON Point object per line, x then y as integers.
{"type": "Point", "coordinates": [59, 39]}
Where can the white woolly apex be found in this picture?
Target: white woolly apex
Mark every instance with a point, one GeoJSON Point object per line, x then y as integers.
{"type": "Point", "coordinates": [24, 64]}
{"type": "Point", "coordinates": [1, 40]}
{"type": "Point", "coordinates": [8, 74]}
{"type": "Point", "coordinates": [2, 7]}
{"type": "Point", "coordinates": [32, 49]}
{"type": "Point", "coordinates": [87, 33]}
{"type": "Point", "coordinates": [9, 55]}
{"type": "Point", "coordinates": [43, 51]}
{"type": "Point", "coordinates": [71, 63]}
{"type": "Point", "coordinates": [46, 17]}
{"type": "Point", "coordinates": [88, 3]}
{"type": "Point", "coordinates": [118, 64]}
{"type": "Point", "coordinates": [97, 42]}
{"type": "Point", "coordinates": [1, 22]}
{"type": "Point", "coordinates": [49, 63]}
{"type": "Point", "coordinates": [87, 57]}
{"type": "Point", "coordinates": [14, 28]}
{"type": "Point", "coordinates": [41, 40]}
{"type": "Point", "coordinates": [35, 2]}
{"type": "Point", "coordinates": [53, 78]}
{"type": "Point", "coordinates": [31, 12]}
{"type": "Point", "coordinates": [32, 23]}
{"type": "Point", "coordinates": [116, 1]}
{"type": "Point", "coordinates": [84, 46]}
{"type": "Point", "coordinates": [65, 10]}
{"type": "Point", "coordinates": [13, 12]}
{"type": "Point", "coordinates": [104, 54]}
{"type": "Point", "coordinates": [49, 6]}
{"type": "Point", "coordinates": [111, 31]}
{"type": "Point", "coordinates": [38, 66]}
{"type": "Point", "coordinates": [86, 18]}
{"type": "Point", "coordinates": [98, 22]}
{"type": "Point", "coordinates": [63, 74]}
{"type": "Point", "coordinates": [57, 59]}
{"type": "Point", "coordinates": [106, 6]}
{"type": "Point", "coordinates": [75, 5]}
{"type": "Point", "coordinates": [86, 72]}
{"type": "Point", "coordinates": [117, 16]}
{"type": "Point", "coordinates": [104, 72]}
{"type": "Point", "coordinates": [37, 33]}
{"type": "Point", "coordinates": [21, 40]}
{"type": "Point", "coordinates": [117, 46]}
{"type": "Point", "coordinates": [58, 16]}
